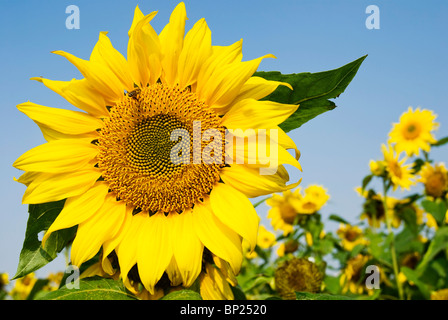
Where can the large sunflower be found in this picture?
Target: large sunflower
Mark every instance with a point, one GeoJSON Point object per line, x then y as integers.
{"type": "Point", "coordinates": [113, 163]}
{"type": "Point", "coordinates": [414, 131]}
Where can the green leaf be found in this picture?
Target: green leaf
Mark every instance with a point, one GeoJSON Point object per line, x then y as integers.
{"type": "Point", "coordinates": [380, 247]}
{"type": "Point", "coordinates": [409, 216]}
{"type": "Point", "coordinates": [311, 91]}
{"type": "Point", "coordinates": [38, 286]}
{"type": "Point", "coordinates": [33, 256]}
{"type": "Point", "coordinates": [438, 243]}
{"type": "Point", "coordinates": [95, 288]}
{"type": "Point", "coordinates": [411, 275]}
{"type": "Point", "coordinates": [440, 142]}
{"type": "Point", "coordinates": [337, 218]}
{"type": "Point", "coordinates": [407, 241]}
{"type": "Point", "coordinates": [332, 284]}
{"type": "Point", "coordinates": [319, 296]}
{"type": "Point", "coordinates": [238, 293]}
{"type": "Point", "coordinates": [436, 208]}
{"type": "Point", "coordinates": [183, 295]}
{"type": "Point", "coordinates": [356, 250]}
{"type": "Point", "coordinates": [366, 181]}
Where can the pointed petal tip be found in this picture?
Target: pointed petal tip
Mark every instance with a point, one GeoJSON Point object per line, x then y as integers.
{"type": "Point", "coordinates": [40, 79]}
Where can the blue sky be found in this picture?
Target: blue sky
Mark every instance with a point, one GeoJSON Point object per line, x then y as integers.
{"type": "Point", "coordinates": [407, 66]}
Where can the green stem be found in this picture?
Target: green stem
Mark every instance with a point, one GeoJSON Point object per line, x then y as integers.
{"type": "Point", "coordinates": [67, 256]}
{"type": "Point", "coordinates": [392, 243]}
{"type": "Point", "coordinates": [260, 202]}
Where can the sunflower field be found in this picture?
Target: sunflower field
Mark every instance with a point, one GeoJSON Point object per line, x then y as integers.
{"type": "Point", "coordinates": [148, 194]}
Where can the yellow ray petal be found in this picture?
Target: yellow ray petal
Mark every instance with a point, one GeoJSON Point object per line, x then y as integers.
{"type": "Point", "coordinates": [248, 150]}
{"type": "Point", "coordinates": [96, 230]}
{"type": "Point", "coordinates": [64, 121]}
{"type": "Point", "coordinates": [80, 94]}
{"type": "Point", "coordinates": [51, 134]}
{"type": "Point", "coordinates": [99, 76]}
{"type": "Point", "coordinates": [50, 187]}
{"type": "Point", "coordinates": [213, 285]}
{"type": "Point", "coordinates": [127, 247]}
{"type": "Point", "coordinates": [187, 248]}
{"type": "Point", "coordinates": [227, 54]}
{"type": "Point", "coordinates": [216, 236]}
{"type": "Point", "coordinates": [249, 181]}
{"type": "Point", "coordinates": [27, 177]}
{"type": "Point", "coordinates": [112, 244]}
{"type": "Point", "coordinates": [221, 56]}
{"type": "Point", "coordinates": [155, 249]}
{"type": "Point", "coordinates": [171, 42]}
{"type": "Point", "coordinates": [253, 114]}
{"type": "Point", "coordinates": [58, 156]}
{"type": "Point", "coordinates": [144, 53]}
{"type": "Point", "coordinates": [258, 88]}
{"type": "Point", "coordinates": [174, 273]}
{"type": "Point", "coordinates": [138, 15]}
{"type": "Point", "coordinates": [236, 211]}
{"type": "Point", "coordinates": [226, 81]}
{"type": "Point", "coordinates": [79, 208]}
{"type": "Point", "coordinates": [105, 54]}
{"type": "Point", "coordinates": [223, 266]}
{"type": "Point", "coordinates": [286, 142]}
{"type": "Point", "coordinates": [196, 50]}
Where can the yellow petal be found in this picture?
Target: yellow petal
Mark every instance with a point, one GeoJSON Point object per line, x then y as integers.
{"type": "Point", "coordinates": [171, 42]}
{"type": "Point", "coordinates": [174, 273]}
{"type": "Point", "coordinates": [254, 114]}
{"type": "Point", "coordinates": [51, 134]}
{"type": "Point", "coordinates": [127, 247]}
{"type": "Point", "coordinates": [236, 211]}
{"type": "Point", "coordinates": [144, 52]}
{"type": "Point", "coordinates": [138, 15]}
{"type": "Point", "coordinates": [80, 94]}
{"type": "Point", "coordinates": [249, 181]}
{"type": "Point", "coordinates": [187, 248]}
{"type": "Point", "coordinates": [112, 244]}
{"type": "Point", "coordinates": [196, 50]}
{"type": "Point", "coordinates": [78, 209]}
{"type": "Point", "coordinates": [244, 148]}
{"type": "Point", "coordinates": [50, 187]}
{"type": "Point", "coordinates": [216, 236]}
{"type": "Point", "coordinates": [222, 56]}
{"type": "Point", "coordinates": [99, 76]}
{"type": "Point", "coordinates": [227, 54]}
{"type": "Point", "coordinates": [155, 249]}
{"type": "Point", "coordinates": [213, 285]}
{"type": "Point", "coordinates": [27, 177]}
{"type": "Point", "coordinates": [286, 142]}
{"type": "Point", "coordinates": [64, 121]}
{"type": "Point", "coordinates": [105, 54]}
{"type": "Point", "coordinates": [96, 230]}
{"type": "Point", "coordinates": [58, 156]}
{"type": "Point", "coordinates": [226, 81]}
{"type": "Point", "coordinates": [258, 88]}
